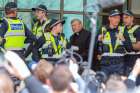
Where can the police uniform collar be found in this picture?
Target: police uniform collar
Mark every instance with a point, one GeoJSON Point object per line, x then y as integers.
{"type": "Point", "coordinates": [41, 23]}
{"type": "Point", "coordinates": [77, 33]}
{"type": "Point", "coordinates": [110, 29]}
{"type": "Point", "coordinates": [53, 34]}
{"type": "Point", "coordinates": [12, 18]}
{"type": "Point", "coordinates": [131, 26]}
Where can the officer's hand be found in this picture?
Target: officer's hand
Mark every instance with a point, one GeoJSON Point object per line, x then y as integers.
{"type": "Point", "coordinates": [99, 57]}
{"type": "Point", "coordinates": [100, 38]}
{"type": "Point", "coordinates": [121, 37]}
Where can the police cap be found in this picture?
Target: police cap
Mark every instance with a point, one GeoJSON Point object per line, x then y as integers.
{"type": "Point", "coordinates": [40, 7]}
{"type": "Point", "coordinates": [114, 12]}
{"type": "Point", "coordinates": [11, 6]}
{"type": "Point", "coordinates": [128, 12]}
{"type": "Point", "coordinates": [54, 22]}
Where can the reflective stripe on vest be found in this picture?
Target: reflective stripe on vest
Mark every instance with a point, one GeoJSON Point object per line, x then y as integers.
{"type": "Point", "coordinates": [54, 56]}
{"type": "Point", "coordinates": [39, 30]}
{"type": "Point", "coordinates": [107, 38]}
{"type": "Point", "coordinates": [112, 54]}
{"type": "Point", "coordinates": [15, 35]}
{"type": "Point", "coordinates": [50, 40]}
{"type": "Point", "coordinates": [131, 33]}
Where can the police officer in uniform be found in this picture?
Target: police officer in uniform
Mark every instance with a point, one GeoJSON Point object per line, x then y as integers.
{"type": "Point", "coordinates": [41, 25]}
{"type": "Point", "coordinates": [13, 31]}
{"type": "Point", "coordinates": [51, 44]}
{"type": "Point", "coordinates": [42, 20]}
{"type": "Point", "coordinates": [134, 34]}
{"type": "Point", "coordinates": [113, 41]}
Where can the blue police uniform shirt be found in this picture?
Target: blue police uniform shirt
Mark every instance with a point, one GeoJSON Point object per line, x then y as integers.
{"type": "Point", "coordinates": [127, 43]}
{"type": "Point", "coordinates": [113, 33]}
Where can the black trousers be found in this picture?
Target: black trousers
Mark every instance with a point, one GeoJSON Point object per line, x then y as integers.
{"type": "Point", "coordinates": [112, 65]}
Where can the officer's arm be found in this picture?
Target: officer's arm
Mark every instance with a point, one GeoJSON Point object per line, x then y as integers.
{"type": "Point", "coordinates": [3, 29]}
{"type": "Point", "coordinates": [30, 37]}
{"type": "Point", "coordinates": [136, 46]}
{"type": "Point", "coordinates": [99, 44]}
{"type": "Point", "coordinates": [39, 43]}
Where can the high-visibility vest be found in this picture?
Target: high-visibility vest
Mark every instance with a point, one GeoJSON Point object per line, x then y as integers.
{"type": "Point", "coordinates": [58, 49]}
{"type": "Point", "coordinates": [15, 35]}
{"type": "Point", "coordinates": [131, 33]}
{"type": "Point", "coordinates": [107, 39]}
{"type": "Point", "coordinates": [38, 30]}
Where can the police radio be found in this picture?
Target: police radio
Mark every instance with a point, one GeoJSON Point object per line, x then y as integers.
{"type": "Point", "coordinates": [50, 50]}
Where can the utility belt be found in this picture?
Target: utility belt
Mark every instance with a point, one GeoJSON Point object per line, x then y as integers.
{"type": "Point", "coordinates": [112, 58]}
{"type": "Point", "coordinates": [132, 53]}
{"type": "Point", "coordinates": [16, 49]}
{"type": "Point", "coordinates": [112, 55]}
{"type": "Point", "coordinates": [53, 58]}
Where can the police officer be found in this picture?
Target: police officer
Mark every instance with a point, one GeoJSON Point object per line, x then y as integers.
{"type": "Point", "coordinates": [42, 20]}
{"type": "Point", "coordinates": [113, 41]}
{"type": "Point", "coordinates": [13, 30]}
{"type": "Point", "coordinates": [41, 25]}
{"type": "Point", "coordinates": [134, 34]}
{"type": "Point", "coordinates": [51, 44]}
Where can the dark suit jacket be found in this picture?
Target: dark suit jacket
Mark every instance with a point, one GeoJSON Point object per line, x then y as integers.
{"type": "Point", "coordinates": [82, 41]}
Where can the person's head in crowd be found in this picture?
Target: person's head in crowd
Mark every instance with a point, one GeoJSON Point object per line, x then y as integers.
{"type": "Point", "coordinates": [76, 25]}
{"type": "Point", "coordinates": [115, 77]}
{"type": "Point", "coordinates": [128, 18]}
{"type": "Point", "coordinates": [11, 9]}
{"type": "Point", "coordinates": [6, 84]}
{"type": "Point", "coordinates": [56, 26]}
{"type": "Point", "coordinates": [43, 70]}
{"type": "Point", "coordinates": [40, 12]}
{"type": "Point", "coordinates": [115, 85]}
{"type": "Point", "coordinates": [114, 18]}
{"type": "Point", "coordinates": [60, 79]}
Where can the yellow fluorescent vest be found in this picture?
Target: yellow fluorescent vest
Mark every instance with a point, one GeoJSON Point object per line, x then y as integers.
{"type": "Point", "coordinates": [39, 30]}
{"type": "Point", "coordinates": [107, 39]}
{"type": "Point", "coordinates": [50, 40]}
{"type": "Point", "coordinates": [15, 35]}
{"type": "Point", "coordinates": [131, 33]}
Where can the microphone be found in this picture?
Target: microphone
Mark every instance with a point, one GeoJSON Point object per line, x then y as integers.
{"type": "Point", "coordinates": [109, 3]}
{"type": "Point", "coordinates": [50, 50]}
